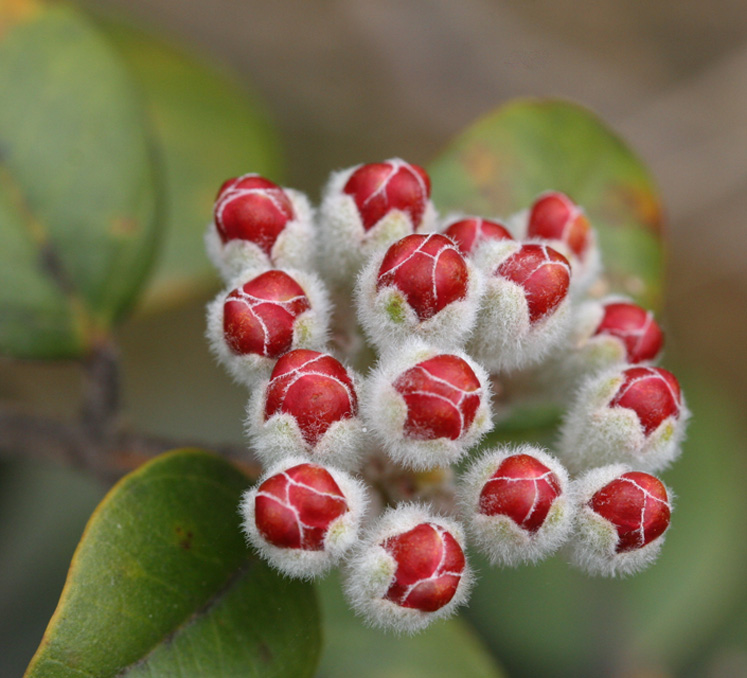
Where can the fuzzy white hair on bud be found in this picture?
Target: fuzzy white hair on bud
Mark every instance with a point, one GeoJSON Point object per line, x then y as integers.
{"type": "Point", "coordinates": [505, 339]}
{"type": "Point", "coordinates": [594, 433]}
{"type": "Point", "coordinates": [504, 511]}
{"type": "Point", "coordinates": [594, 353]}
{"type": "Point", "coordinates": [386, 411]}
{"type": "Point", "coordinates": [586, 271]}
{"type": "Point", "coordinates": [295, 246]}
{"type": "Point", "coordinates": [340, 536]}
{"type": "Point", "coordinates": [517, 223]}
{"type": "Point", "coordinates": [581, 354]}
{"type": "Point", "coordinates": [594, 545]}
{"type": "Point", "coordinates": [310, 328]}
{"type": "Point", "coordinates": [372, 570]}
{"type": "Point", "coordinates": [347, 244]}
{"type": "Point", "coordinates": [279, 436]}
{"type": "Point", "coordinates": [388, 319]}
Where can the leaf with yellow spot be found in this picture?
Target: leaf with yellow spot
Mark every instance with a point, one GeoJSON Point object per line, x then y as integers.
{"type": "Point", "coordinates": [500, 164]}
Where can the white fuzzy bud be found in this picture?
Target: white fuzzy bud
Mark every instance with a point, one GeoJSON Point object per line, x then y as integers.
{"type": "Point", "coordinates": [409, 570]}
{"type": "Point", "coordinates": [367, 207]}
{"type": "Point", "coordinates": [421, 286]}
{"type": "Point", "coordinates": [621, 519]}
{"type": "Point", "coordinates": [243, 237]}
{"type": "Point", "coordinates": [426, 407]}
{"type": "Point", "coordinates": [516, 503]}
{"type": "Point", "coordinates": [259, 317]}
{"type": "Point", "coordinates": [302, 517]}
{"type": "Point", "coordinates": [308, 407]}
{"type": "Point", "coordinates": [633, 415]}
{"type": "Point", "coordinates": [525, 308]}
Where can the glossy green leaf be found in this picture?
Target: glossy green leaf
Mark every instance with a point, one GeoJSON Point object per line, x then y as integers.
{"type": "Point", "coordinates": [162, 584]}
{"type": "Point", "coordinates": [501, 163]}
{"type": "Point", "coordinates": [554, 621]}
{"type": "Point", "coordinates": [448, 648]}
{"type": "Point", "coordinates": [78, 195]}
{"type": "Point", "coordinates": [208, 128]}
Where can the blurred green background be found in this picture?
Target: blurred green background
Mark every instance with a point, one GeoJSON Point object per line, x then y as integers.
{"type": "Point", "coordinates": [351, 81]}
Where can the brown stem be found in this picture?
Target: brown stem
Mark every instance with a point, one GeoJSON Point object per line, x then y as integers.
{"type": "Point", "coordinates": [100, 408]}
{"type": "Point", "coordinates": [97, 442]}
{"type": "Point", "coordinates": [108, 456]}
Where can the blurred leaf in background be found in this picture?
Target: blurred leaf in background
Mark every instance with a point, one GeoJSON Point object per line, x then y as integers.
{"type": "Point", "coordinates": [503, 162]}
{"type": "Point", "coordinates": [79, 194]}
{"type": "Point", "coordinates": [80, 197]}
{"type": "Point", "coordinates": [162, 583]}
{"type": "Point", "coordinates": [134, 124]}
{"type": "Point", "coordinates": [207, 128]}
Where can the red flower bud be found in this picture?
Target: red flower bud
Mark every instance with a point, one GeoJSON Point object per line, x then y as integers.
{"type": "Point", "coordinates": [259, 317]}
{"type": "Point", "coordinates": [554, 216]}
{"type": "Point", "coordinates": [637, 505]}
{"type": "Point", "coordinates": [428, 270]}
{"type": "Point", "coordinates": [246, 181]}
{"type": "Point", "coordinates": [542, 273]}
{"type": "Point", "coordinates": [521, 488]}
{"type": "Point", "coordinates": [409, 571]}
{"type": "Point", "coordinates": [517, 504]}
{"type": "Point", "coordinates": [430, 564]}
{"type": "Point", "coordinates": [312, 387]}
{"type": "Point", "coordinates": [635, 327]}
{"type": "Point", "coordinates": [652, 393]}
{"type": "Point", "coordinates": [470, 232]}
{"type": "Point", "coordinates": [442, 395]}
{"type": "Point", "coordinates": [252, 208]}
{"type": "Point", "coordinates": [379, 188]}
{"type": "Point", "coordinates": [295, 508]}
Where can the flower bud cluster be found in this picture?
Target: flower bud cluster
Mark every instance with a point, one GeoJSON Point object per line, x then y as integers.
{"type": "Point", "coordinates": [450, 306]}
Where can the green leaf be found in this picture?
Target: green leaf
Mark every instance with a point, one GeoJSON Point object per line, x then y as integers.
{"type": "Point", "coordinates": [161, 584]}
{"type": "Point", "coordinates": [706, 553]}
{"type": "Point", "coordinates": [500, 164]}
{"type": "Point", "coordinates": [448, 648]}
{"type": "Point", "coordinates": [658, 618]}
{"type": "Point", "coordinates": [78, 200]}
{"type": "Point", "coordinates": [208, 128]}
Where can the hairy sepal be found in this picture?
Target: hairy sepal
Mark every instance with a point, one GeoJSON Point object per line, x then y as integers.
{"type": "Point", "coordinates": [311, 328]}
{"type": "Point", "coordinates": [385, 412]}
{"type": "Point", "coordinates": [370, 572]}
{"type": "Point", "coordinates": [594, 434]}
{"type": "Point", "coordinates": [505, 543]}
{"type": "Point", "coordinates": [388, 319]}
{"type": "Point", "coordinates": [342, 534]}
{"type": "Point", "coordinates": [504, 339]}
{"type": "Point", "coordinates": [593, 545]}
{"type": "Point", "coordinates": [294, 247]}
{"type": "Point", "coordinates": [343, 444]}
{"type": "Point", "coordinates": [347, 244]}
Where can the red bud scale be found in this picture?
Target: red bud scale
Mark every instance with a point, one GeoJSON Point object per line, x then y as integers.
{"type": "Point", "coordinates": [635, 327]}
{"type": "Point", "coordinates": [259, 316]}
{"type": "Point", "coordinates": [468, 233]}
{"type": "Point", "coordinates": [314, 388]}
{"type": "Point", "coordinates": [381, 187]}
{"type": "Point", "coordinates": [252, 208]}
